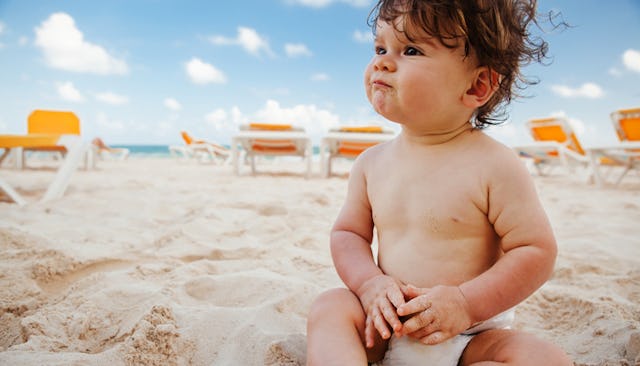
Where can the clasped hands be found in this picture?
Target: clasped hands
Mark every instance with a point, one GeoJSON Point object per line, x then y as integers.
{"type": "Point", "coordinates": [430, 315]}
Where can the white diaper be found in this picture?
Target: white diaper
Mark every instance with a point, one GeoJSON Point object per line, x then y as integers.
{"type": "Point", "coordinates": [406, 351]}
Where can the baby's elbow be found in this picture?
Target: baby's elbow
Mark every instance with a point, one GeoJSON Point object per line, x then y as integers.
{"type": "Point", "coordinates": [548, 253]}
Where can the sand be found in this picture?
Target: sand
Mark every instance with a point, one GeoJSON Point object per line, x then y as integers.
{"type": "Point", "coordinates": [165, 262]}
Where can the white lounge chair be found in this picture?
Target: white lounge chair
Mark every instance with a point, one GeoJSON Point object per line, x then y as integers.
{"type": "Point", "coordinates": [105, 151]}
{"type": "Point", "coordinates": [555, 144]}
{"type": "Point", "coordinates": [349, 142]}
{"type": "Point", "coordinates": [626, 123]}
{"type": "Point", "coordinates": [267, 139]}
{"type": "Point", "coordinates": [201, 150]}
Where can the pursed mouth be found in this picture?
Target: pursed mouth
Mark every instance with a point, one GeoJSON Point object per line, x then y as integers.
{"type": "Point", "coordinates": [380, 83]}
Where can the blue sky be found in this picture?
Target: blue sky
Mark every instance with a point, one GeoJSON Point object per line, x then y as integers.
{"type": "Point", "coordinates": [139, 71]}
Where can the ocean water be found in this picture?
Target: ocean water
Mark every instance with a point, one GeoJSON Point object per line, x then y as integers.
{"type": "Point", "coordinates": [158, 151]}
{"type": "Point", "coordinates": [162, 151]}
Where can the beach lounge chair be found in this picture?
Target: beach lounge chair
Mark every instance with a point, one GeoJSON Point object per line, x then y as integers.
{"type": "Point", "coordinates": [555, 144]}
{"type": "Point", "coordinates": [268, 139]}
{"type": "Point", "coordinates": [105, 151]}
{"type": "Point", "coordinates": [626, 123]}
{"type": "Point", "coordinates": [348, 142]}
{"type": "Point", "coordinates": [49, 122]}
{"type": "Point", "coordinates": [74, 149]}
{"type": "Point", "coordinates": [203, 151]}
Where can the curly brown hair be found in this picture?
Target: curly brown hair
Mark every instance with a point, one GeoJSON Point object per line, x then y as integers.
{"type": "Point", "coordinates": [496, 31]}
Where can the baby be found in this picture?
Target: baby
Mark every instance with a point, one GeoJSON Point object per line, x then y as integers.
{"type": "Point", "coordinates": [462, 236]}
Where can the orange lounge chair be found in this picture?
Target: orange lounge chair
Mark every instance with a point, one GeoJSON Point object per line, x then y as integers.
{"type": "Point", "coordinates": [107, 152]}
{"type": "Point", "coordinates": [74, 149]}
{"type": "Point", "coordinates": [270, 139]}
{"type": "Point", "coordinates": [202, 150]}
{"type": "Point", "coordinates": [349, 142]}
{"type": "Point", "coordinates": [626, 123]}
{"type": "Point", "coordinates": [555, 144]}
{"type": "Point", "coordinates": [50, 122]}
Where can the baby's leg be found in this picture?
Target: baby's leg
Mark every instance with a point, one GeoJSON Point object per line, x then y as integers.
{"type": "Point", "coordinates": [510, 347]}
{"type": "Point", "coordinates": [335, 331]}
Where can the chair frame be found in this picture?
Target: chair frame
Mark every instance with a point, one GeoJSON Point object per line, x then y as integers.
{"type": "Point", "coordinates": [277, 140]}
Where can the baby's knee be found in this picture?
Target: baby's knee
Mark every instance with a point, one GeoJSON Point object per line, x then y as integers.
{"type": "Point", "coordinates": [336, 302]}
{"type": "Point", "coordinates": [514, 348]}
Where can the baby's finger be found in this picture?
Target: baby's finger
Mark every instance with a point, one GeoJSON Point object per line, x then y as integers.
{"type": "Point", "coordinates": [415, 305]}
{"type": "Point", "coordinates": [434, 338]}
{"type": "Point", "coordinates": [430, 328]}
{"type": "Point", "coordinates": [396, 297]}
{"type": "Point", "coordinates": [380, 324]}
{"type": "Point", "coordinates": [419, 321]}
{"type": "Point", "coordinates": [369, 332]}
{"type": "Point", "coordinates": [391, 317]}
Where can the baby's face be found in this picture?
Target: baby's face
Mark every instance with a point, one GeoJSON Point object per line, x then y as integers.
{"type": "Point", "coordinates": [418, 82]}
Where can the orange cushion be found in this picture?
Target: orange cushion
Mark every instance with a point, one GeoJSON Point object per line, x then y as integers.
{"type": "Point", "coordinates": [631, 128]}
{"type": "Point", "coordinates": [269, 126]}
{"type": "Point", "coordinates": [371, 129]}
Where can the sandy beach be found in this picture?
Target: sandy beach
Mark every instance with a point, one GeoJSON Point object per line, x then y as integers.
{"type": "Point", "coordinates": [167, 262]}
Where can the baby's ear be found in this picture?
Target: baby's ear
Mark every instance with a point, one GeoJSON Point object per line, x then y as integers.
{"type": "Point", "coordinates": [484, 84]}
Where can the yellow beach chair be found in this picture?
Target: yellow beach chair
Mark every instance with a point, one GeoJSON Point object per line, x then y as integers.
{"type": "Point", "coordinates": [74, 149]}
{"type": "Point", "coordinates": [50, 122]}
{"type": "Point", "coordinates": [626, 123]}
{"type": "Point", "coordinates": [270, 139]}
{"type": "Point", "coordinates": [203, 151]}
{"type": "Point", "coordinates": [555, 144]}
{"type": "Point", "coordinates": [349, 142]}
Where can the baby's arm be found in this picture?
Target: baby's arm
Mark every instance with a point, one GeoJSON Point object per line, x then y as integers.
{"type": "Point", "coordinates": [526, 238]}
{"type": "Point", "coordinates": [351, 238]}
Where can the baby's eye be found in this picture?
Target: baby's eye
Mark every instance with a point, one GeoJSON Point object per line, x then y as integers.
{"type": "Point", "coordinates": [412, 51]}
{"type": "Point", "coordinates": [380, 51]}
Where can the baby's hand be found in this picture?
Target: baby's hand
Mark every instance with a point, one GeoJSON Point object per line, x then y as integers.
{"type": "Point", "coordinates": [439, 313]}
{"type": "Point", "coordinates": [380, 296]}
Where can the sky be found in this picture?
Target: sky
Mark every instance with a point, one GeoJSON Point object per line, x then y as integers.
{"type": "Point", "coordinates": [140, 71]}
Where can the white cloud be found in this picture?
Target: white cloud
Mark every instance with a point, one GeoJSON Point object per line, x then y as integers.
{"type": "Point", "coordinates": [320, 77]}
{"type": "Point", "coordinates": [67, 91]}
{"type": "Point", "coordinates": [247, 38]}
{"type": "Point", "coordinates": [362, 36]}
{"type": "Point", "coordinates": [316, 121]}
{"type": "Point", "coordinates": [324, 3]}
{"type": "Point", "coordinates": [586, 90]}
{"type": "Point", "coordinates": [615, 72]}
{"type": "Point", "coordinates": [225, 123]}
{"type": "Point", "coordinates": [112, 98]}
{"type": "Point", "coordinates": [65, 48]}
{"type": "Point", "coordinates": [631, 59]}
{"type": "Point", "coordinates": [297, 49]}
{"type": "Point", "coordinates": [201, 72]}
{"type": "Point", "coordinates": [217, 116]}
{"type": "Point", "coordinates": [2, 27]}
{"type": "Point", "coordinates": [172, 104]}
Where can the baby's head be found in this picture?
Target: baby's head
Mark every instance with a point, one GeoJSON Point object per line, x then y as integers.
{"type": "Point", "coordinates": [495, 33]}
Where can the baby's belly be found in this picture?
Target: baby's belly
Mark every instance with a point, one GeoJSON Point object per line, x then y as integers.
{"type": "Point", "coordinates": [436, 262]}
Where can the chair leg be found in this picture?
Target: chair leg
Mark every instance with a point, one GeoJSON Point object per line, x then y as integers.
{"type": "Point", "coordinates": [76, 149]}
{"type": "Point", "coordinates": [15, 196]}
